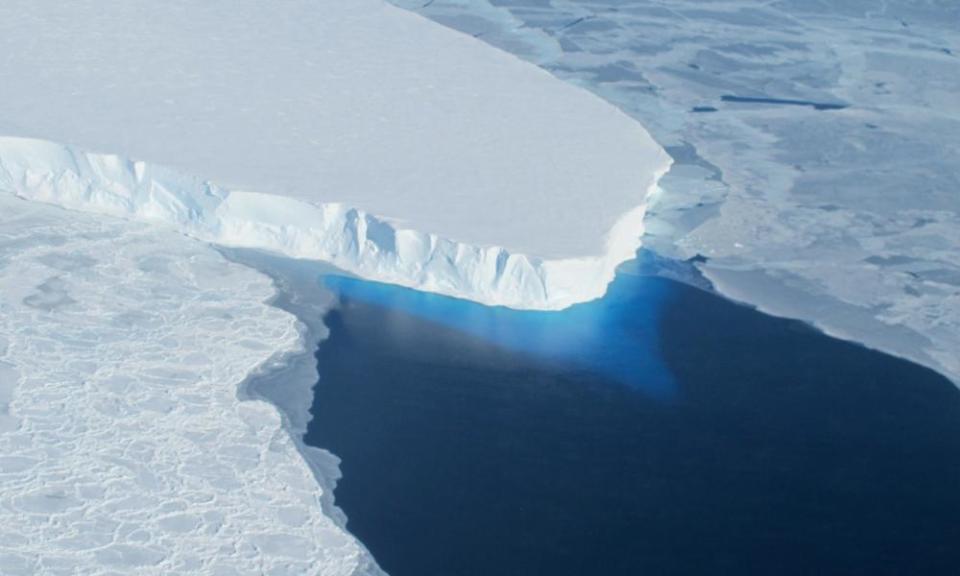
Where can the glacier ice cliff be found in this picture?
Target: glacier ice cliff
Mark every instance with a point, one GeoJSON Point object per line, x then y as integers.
{"type": "Point", "coordinates": [351, 239]}
{"type": "Point", "coordinates": [399, 149]}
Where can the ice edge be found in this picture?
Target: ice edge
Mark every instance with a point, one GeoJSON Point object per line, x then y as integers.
{"type": "Point", "coordinates": [355, 241]}
{"type": "Point", "coordinates": [293, 372]}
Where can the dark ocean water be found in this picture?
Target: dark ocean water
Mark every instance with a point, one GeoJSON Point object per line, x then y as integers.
{"type": "Point", "coordinates": [659, 431]}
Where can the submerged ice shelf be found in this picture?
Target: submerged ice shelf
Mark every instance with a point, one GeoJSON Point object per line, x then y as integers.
{"type": "Point", "coordinates": [396, 148]}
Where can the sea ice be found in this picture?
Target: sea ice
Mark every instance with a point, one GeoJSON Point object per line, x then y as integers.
{"type": "Point", "coordinates": [124, 447]}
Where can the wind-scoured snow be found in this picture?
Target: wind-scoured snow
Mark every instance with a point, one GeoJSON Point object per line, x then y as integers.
{"type": "Point", "coordinates": [124, 448]}
{"type": "Point", "coordinates": [349, 114]}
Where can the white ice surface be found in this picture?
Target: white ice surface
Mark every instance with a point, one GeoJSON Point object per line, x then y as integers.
{"type": "Point", "coordinates": [848, 219]}
{"type": "Point", "coordinates": [358, 104]}
{"type": "Point", "coordinates": [124, 448]}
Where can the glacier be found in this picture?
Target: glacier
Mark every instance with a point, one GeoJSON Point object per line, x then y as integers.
{"type": "Point", "coordinates": [351, 239]}
{"type": "Point", "coordinates": [357, 132]}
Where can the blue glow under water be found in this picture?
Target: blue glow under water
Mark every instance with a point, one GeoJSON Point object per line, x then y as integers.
{"type": "Point", "coordinates": [659, 431]}
{"type": "Point", "coordinates": [590, 336]}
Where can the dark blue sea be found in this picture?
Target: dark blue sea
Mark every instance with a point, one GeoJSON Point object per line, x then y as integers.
{"type": "Point", "coordinates": [662, 430]}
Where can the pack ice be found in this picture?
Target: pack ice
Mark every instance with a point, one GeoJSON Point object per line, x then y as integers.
{"type": "Point", "coordinates": [124, 448]}
{"type": "Point", "coordinates": [352, 132]}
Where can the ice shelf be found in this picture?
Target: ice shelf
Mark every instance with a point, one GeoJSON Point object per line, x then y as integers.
{"type": "Point", "coordinates": [360, 133]}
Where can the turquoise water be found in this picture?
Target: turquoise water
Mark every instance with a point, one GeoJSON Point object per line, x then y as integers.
{"type": "Point", "coordinates": [590, 337]}
{"type": "Point", "coordinates": [659, 431]}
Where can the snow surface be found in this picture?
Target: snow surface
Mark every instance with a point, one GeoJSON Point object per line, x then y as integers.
{"type": "Point", "coordinates": [124, 447]}
{"type": "Point", "coordinates": [848, 218]}
{"type": "Point", "coordinates": [346, 105]}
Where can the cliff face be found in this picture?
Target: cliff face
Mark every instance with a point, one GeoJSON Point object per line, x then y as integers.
{"type": "Point", "coordinates": [352, 239]}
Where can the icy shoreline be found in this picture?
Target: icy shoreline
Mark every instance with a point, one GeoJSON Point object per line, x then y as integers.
{"type": "Point", "coordinates": [351, 239]}
{"type": "Point", "coordinates": [287, 379]}
{"type": "Point", "coordinates": [127, 440]}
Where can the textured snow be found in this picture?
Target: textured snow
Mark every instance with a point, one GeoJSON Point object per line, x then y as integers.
{"type": "Point", "coordinates": [847, 217]}
{"type": "Point", "coordinates": [343, 105]}
{"type": "Point", "coordinates": [124, 446]}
